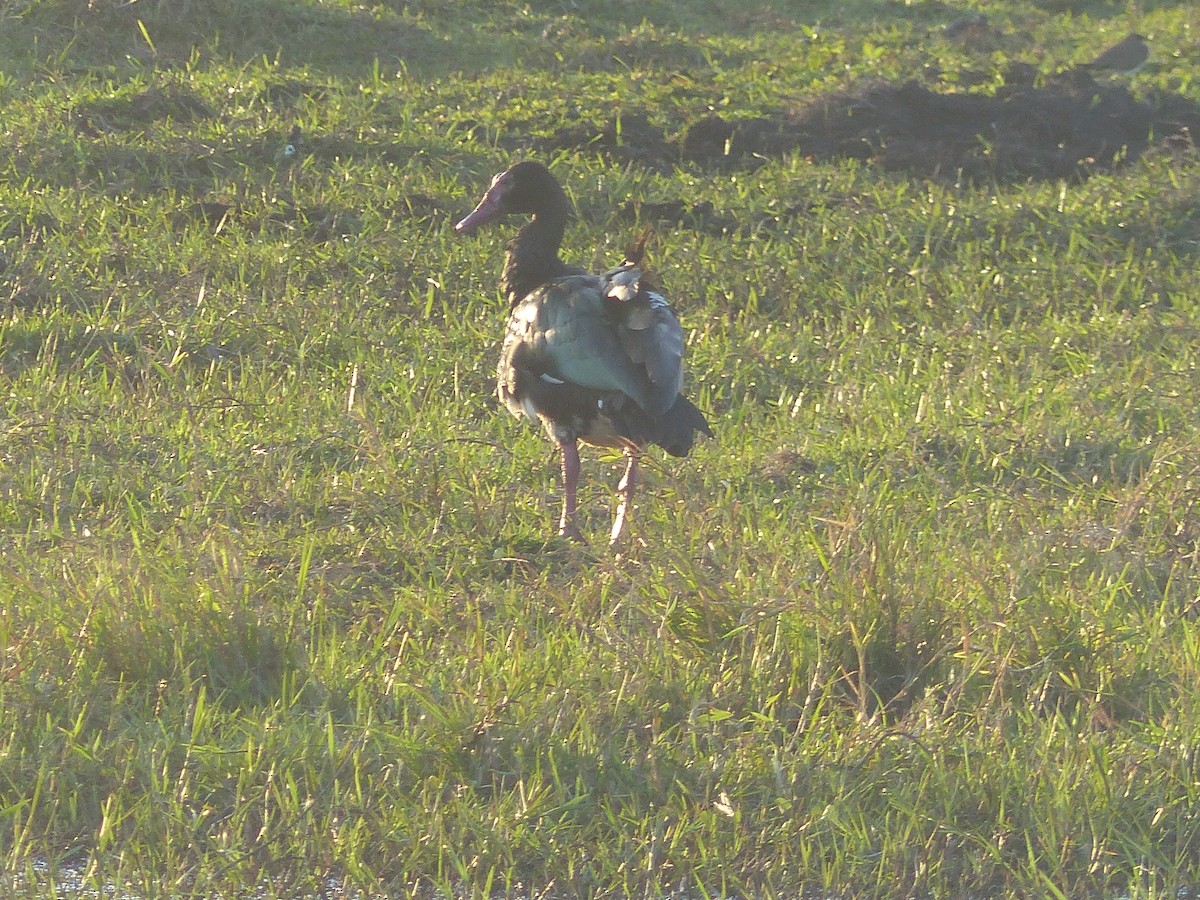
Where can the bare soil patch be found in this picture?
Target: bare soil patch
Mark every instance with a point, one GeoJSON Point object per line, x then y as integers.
{"type": "Point", "coordinates": [1069, 126]}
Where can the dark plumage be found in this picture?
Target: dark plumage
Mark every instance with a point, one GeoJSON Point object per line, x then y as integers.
{"type": "Point", "coordinates": [593, 358]}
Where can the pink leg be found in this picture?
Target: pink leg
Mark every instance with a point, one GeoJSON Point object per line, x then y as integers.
{"type": "Point", "coordinates": [625, 504]}
{"type": "Point", "coordinates": [570, 471]}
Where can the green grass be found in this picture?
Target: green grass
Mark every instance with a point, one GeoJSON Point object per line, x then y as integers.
{"type": "Point", "coordinates": [280, 604]}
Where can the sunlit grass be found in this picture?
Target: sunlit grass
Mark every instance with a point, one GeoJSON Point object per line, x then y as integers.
{"type": "Point", "coordinates": [281, 602]}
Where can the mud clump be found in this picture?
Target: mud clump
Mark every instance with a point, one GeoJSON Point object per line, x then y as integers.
{"type": "Point", "coordinates": [151, 105]}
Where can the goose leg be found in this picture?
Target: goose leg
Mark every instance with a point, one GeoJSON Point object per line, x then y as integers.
{"type": "Point", "coordinates": [625, 504]}
{"type": "Point", "coordinates": [570, 472]}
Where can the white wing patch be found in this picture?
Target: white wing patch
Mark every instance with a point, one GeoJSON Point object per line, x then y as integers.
{"type": "Point", "coordinates": [623, 283]}
{"type": "Point", "coordinates": [526, 312]}
{"type": "Point", "coordinates": [550, 379]}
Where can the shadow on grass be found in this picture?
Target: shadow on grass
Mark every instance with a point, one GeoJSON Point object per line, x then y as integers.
{"type": "Point", "coordinates": [425, 38]}
{"type": "Point", "coordinates": [339, 41]}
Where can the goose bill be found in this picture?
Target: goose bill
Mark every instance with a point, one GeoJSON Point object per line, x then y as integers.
{"type": "Point", "coordinates": [488, 210]}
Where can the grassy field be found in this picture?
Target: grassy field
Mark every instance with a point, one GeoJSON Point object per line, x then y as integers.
{"type": "Point", "coordinates": [281, 607]}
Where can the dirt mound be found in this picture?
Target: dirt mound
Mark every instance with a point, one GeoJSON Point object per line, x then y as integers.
{"type": "Point", "coordinates": [630, 138]}
{"type": "Point", "coordinates": [1069, 126]}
